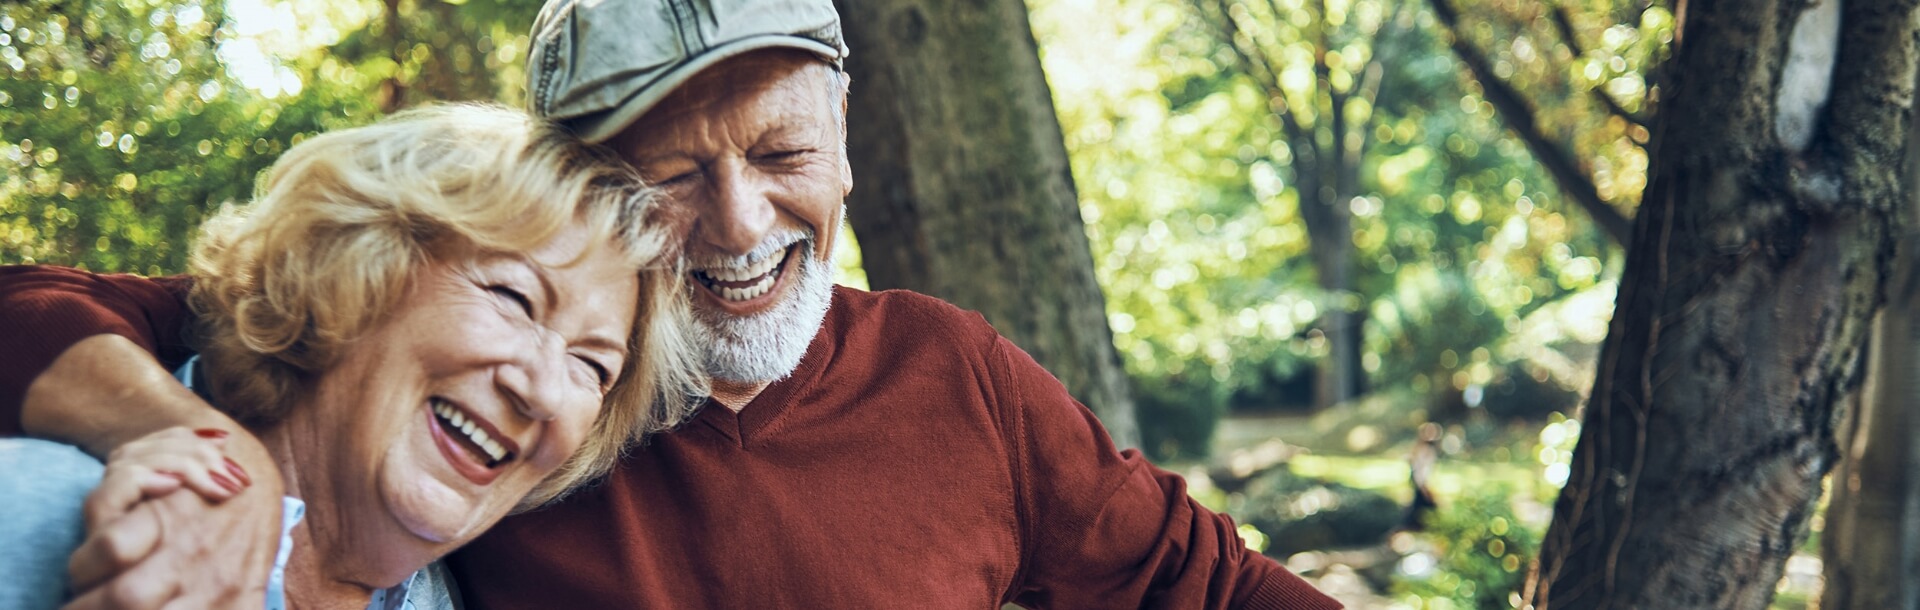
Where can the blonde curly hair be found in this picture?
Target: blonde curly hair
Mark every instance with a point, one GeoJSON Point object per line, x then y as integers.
{"type": "Point", "coordinates": [342, 222]}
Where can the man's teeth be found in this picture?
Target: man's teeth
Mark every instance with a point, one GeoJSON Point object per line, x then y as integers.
{"type": "Point", "coordinates": [742, 294]}
{"type": "Point", "coordinates": [767, 272]}
{"type": "Point", "coordinates": [478, 435]}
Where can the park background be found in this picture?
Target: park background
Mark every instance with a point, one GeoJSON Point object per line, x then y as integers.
{"type": "Point", "coordinates": [1348, 265]}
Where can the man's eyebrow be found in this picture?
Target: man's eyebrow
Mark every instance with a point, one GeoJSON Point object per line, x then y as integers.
{"type": "Point", "coordinates": [672, 156]}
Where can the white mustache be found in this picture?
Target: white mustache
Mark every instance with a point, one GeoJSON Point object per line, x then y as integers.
{"type": "Point", "coordinates": [773, 244]}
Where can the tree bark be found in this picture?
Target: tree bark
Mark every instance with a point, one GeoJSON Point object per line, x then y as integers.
{"type": "Point", "coordinates": [962, 187]}
{"type": "Point", "coordinates": [1871, 545]}
{"type": "Point", "coordinates": [1758, 258]}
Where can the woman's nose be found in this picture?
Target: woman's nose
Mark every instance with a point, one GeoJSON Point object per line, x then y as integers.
{"type": "Point", "coordinates": [535, 382]}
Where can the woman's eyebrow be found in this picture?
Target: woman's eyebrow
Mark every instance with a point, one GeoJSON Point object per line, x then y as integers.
{"type": "Point", "coordinates": [593, 339]}
{"type": "Point", "coordinates": [546, 284]}
{"type": "Point", "coordinates": [605, 342]}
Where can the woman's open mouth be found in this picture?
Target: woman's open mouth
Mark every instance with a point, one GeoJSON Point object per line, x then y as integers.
{"type": "Point", "coordinates": [476, 449]}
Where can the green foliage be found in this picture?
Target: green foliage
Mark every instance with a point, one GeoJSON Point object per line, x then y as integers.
{"type": "Point", "coordinates": [123, 124]}
{"type": "Point", "coordinates": [1476, 555]}
{"type": "Point", "coordinates": [121, 130]}
{"type": "Point", "coordinates": [1174, 423]}
{"type": "Point", "coordinates": [1461, 242]}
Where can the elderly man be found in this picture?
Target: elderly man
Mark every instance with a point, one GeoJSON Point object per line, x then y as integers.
{"type": "Point", "coordinates": [861, 450]}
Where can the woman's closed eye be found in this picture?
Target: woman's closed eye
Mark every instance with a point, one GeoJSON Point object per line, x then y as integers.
{"type": "Point", "coordinates": [600, 372]}
{"type": "Point", "coordinates": [518, 298]}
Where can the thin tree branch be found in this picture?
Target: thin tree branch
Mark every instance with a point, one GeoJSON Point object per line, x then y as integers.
{"type": "Point", "coordinates": [1374, 75]}
{"type": "Point", "coordinates": [1563, 22]}
{"type": "Point", "coordinates": [1254, 63]}
{"type": "Point", "coordinates": [1518, 114]}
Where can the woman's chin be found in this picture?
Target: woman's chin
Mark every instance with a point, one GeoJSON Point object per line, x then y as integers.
{"type": "Point", "coordinates": [439, 515]}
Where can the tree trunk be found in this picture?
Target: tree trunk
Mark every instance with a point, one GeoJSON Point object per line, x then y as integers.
{"type": "Point", "coordinates": [962, 187]}
{"type": "Point", "coordinates": [1871, 545]}
{"type": "Point", "coordinates": [1758, 258]}
{"type": "Point", "coordinates": [1324, 209]}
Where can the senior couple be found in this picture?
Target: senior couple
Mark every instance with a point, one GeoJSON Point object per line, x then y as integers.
{"type": "Point", "coordinates": [421, 326]}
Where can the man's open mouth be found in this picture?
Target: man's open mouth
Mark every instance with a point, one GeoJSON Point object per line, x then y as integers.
{"type": "Point", "coordinates": [484, 444]}
{"type": "Point", "coordinates": [748, 282]}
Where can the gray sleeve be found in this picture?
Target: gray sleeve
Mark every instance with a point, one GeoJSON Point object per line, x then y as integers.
{"type": "Point", "coordinates": [42, 486]}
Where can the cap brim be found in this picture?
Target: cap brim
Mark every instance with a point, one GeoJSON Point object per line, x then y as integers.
{"type": "Point", "coordinates": [602, 126]}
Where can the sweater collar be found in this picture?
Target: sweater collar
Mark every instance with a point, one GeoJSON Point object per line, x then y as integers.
{"type": "Point", "coordinates": [765, 409]}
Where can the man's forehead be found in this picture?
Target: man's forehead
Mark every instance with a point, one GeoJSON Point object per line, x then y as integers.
{"type": "Point", "coordinates": [769, 96]}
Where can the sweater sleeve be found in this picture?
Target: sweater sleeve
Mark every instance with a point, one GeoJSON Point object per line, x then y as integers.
{"type": "Point", "coordinates": [45, 310]}
{"type": "Point", "coordinates": [1106, 529]}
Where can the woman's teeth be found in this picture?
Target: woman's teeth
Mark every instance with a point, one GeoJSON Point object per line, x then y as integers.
{"type": "Point", "coordinates": [456, 420]}
{"type": "Point", "coordinates": [761, 275]}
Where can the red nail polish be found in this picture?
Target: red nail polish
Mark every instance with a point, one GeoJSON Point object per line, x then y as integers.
{"type": "Point", "coordinates": [214, 433]}
{"type": "Point", "coordinates": [238, 472]}
{"type": "Point", "coordinates": [225, 482]}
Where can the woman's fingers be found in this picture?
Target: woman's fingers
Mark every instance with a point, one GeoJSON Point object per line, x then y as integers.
{"type": "Point", "coordinates": [195, 457]}
{"type": "Point", "coordinates": [110, 550]}
{"type": "Point", "coordinates": [128, 594]}
{"type": "Point", "coordinates": [180, 551]}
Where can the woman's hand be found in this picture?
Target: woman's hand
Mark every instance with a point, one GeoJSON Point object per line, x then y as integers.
{"type": "Point", "coordinates": [177, 550]}
{"type": "Point", "coordinates": [149, 547]}
{"type": "Point", "coordinates": [161, 463]}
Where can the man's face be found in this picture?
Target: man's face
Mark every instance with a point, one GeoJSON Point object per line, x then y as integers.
{"type": "Point", "coordinates": [755, 147]}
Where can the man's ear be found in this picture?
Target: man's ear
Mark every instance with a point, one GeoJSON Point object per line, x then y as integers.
{"type": "Point", "coordinates": [846, 163]}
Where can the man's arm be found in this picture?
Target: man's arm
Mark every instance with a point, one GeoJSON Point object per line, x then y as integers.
{"type": "Point", "coordinates": [46, 312]}
{"type": "Point", "coordinates": [1105, 529]}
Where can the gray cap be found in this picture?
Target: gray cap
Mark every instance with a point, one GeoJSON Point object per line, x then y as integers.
{"type": "Point", "coordinates": [597, 65]}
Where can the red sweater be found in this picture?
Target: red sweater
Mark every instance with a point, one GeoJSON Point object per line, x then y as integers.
{"type": "Point", "coordinates": [916, 459]}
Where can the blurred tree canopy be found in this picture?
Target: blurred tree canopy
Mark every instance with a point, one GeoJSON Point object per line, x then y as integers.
{"type": "Point", "coordinates": [1473, 268]}
{"type": "Point", "coordinates": [122, 124]}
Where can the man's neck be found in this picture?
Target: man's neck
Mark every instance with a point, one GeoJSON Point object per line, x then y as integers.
{"type": "Point", "coordinates": [735, 395]}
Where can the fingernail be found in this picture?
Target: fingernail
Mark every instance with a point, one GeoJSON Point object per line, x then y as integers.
{"type": "Point", "coordinates": [238, 472]}
{"type": "Point", "coordinates": [213, 433]}
{"type": "Point", "coordinates": [225, 482]}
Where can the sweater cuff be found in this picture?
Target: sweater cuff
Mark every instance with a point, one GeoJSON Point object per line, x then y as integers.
{"type": "Point", "coordinates": [1282, 590]}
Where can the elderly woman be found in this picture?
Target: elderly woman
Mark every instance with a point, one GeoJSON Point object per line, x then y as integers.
{"type": "Point", "coordinates": [430, 322]}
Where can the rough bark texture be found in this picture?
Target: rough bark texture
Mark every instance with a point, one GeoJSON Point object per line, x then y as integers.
{"type": "Point", "coordinates": [962, 187]}
{"type": "Point", "coordinates": [1753, 274]}
{"type": "Point", "coordinates": [1871, 545]}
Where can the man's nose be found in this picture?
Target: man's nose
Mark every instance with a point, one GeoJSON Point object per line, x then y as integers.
{"type": "Point", "coordinates": [740, 214]}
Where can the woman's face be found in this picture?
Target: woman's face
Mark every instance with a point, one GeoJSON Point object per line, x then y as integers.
{"type": "Point", "coordinates": [485, 379]}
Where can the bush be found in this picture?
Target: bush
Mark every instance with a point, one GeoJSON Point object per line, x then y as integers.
{"type": "Point", "coordinates": [1474, 555]}
{"type": "Point", "coordinates": [1303, 514]}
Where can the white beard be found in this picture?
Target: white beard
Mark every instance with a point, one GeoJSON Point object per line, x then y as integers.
{"type": "Point", "coordinates": [769, 345]}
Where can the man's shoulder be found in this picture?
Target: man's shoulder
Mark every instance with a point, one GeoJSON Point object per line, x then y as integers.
{"type": "Point", "coordinates": [899, 308]}
{"type": "Point", "coordinates": [904, 322]}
